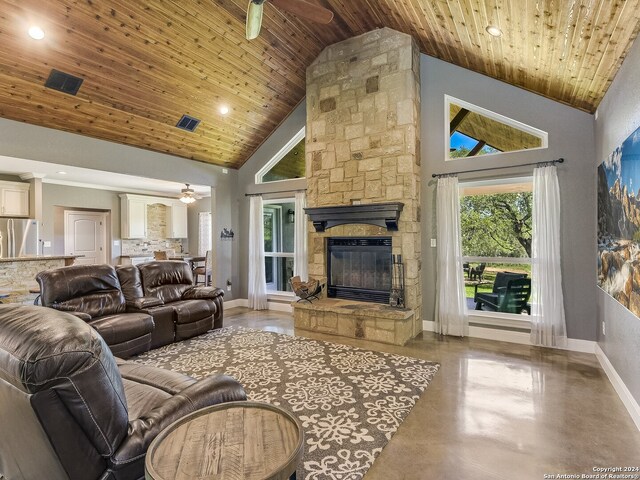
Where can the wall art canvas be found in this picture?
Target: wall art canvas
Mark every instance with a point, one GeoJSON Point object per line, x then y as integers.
{"type": "Point", "coordinates": [619, 223]}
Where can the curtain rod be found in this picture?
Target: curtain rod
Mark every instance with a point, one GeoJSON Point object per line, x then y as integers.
{"type": "Point", "coordinates": [270, 193]}
{"type": "Point", "coordinates": [552, 162]}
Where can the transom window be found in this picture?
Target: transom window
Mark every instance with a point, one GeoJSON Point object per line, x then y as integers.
{"type": "Point", "coordinates": [287, 164]}
{"type": "Point", "coordinates": [474, 131]}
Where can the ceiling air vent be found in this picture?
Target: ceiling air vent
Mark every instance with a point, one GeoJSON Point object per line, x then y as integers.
{"type": "Point", "coordinates": [63, 82]}
{"type": "Point", "coordinates": [188, 123]}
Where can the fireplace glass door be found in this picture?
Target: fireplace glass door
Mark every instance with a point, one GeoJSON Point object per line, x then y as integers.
{"type": "Point", "coordinates": [359, 268]}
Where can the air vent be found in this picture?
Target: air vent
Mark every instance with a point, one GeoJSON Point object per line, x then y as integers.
{"type": "Point", "coordinates": [63, 82]}
{"type": "Point", "coordinates": [188, 123]}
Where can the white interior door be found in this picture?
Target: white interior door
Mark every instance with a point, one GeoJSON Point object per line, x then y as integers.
{"type": "Point", "coordinates": [85, 234]}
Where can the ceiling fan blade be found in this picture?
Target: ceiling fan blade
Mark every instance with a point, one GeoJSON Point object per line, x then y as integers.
{"type": "Point", "coordinates": [254, 19]}
{"type": "Point", "coordinates": [303, 9]}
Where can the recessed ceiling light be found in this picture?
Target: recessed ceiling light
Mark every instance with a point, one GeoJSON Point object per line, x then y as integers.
{"type": "Point", "coordinates": [224, 109]}
{"type": "Point", "coordinates": [61, 173]}
{"type": "Point", "coordinates": [494, 31]}
{"type": "Point", "coordinates": [36, 32]}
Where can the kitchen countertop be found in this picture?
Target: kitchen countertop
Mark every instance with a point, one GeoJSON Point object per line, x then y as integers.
{"type": "Point", "coordinates": [38, 258]}
{"type": "Point", "coordinates": [150, 254]}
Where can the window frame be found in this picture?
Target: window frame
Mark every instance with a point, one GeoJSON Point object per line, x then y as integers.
{"type": "Point", "coordinates": [487, 318]}
{"type": "Point", "coordinates": [274, 254]}
{"type": "Point", "coordinates": [448, 99]}
{"type": "Point", "coordinates": [259, 177]}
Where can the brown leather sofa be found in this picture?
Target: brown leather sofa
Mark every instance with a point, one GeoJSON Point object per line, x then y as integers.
{"type": "Point", "coordinates": [69, 410]}
{"type": "Point", "coordinates": [93, 293]}
{"type": "Point", "coordinates": [196, 310]}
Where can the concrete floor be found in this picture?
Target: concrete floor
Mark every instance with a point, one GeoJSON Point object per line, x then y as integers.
{"type": "Point", "coordinates": [495, 410]}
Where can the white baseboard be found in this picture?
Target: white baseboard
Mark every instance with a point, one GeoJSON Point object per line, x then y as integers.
{"type": "Point", "coordinates": [243, 302]}
{"type": "Point", "coordinates": [621, 389]}
{"type": "Point", "coordinates": [523, 338]}
{"type": "Point", "coordinates": [236, 302]}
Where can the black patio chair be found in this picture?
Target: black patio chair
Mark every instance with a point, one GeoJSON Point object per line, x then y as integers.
{"type": "Point", "coordinates": [476, 273]}
{"type": "Point", "coordinates": [509, 298]}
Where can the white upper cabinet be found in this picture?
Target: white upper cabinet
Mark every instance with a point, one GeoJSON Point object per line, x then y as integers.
{"type": "Point", "coordinates": [133, 215]}
{"type": "Point", "coordinates": [14, 199]}
{"type": "Point", "coordinates": [177, 221]}
{"type": "Point", "coordinates": [135, 222]}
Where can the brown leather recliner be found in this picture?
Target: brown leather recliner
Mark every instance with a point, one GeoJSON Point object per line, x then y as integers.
{"type": "Point", "coordinates": [196, 309]}
{"type": "Point", "coordinates": [69, 410]}
{"type": "Point", "coordinates": [93, 293]}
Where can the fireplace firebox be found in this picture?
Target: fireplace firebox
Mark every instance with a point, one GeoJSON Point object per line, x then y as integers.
{"type": "Point", "coordinates": [359, 268]}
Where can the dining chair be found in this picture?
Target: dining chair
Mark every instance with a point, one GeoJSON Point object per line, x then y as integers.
{"type": "Point", "coordinates": [205, 270]}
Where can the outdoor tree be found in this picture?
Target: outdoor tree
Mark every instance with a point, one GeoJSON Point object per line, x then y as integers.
{"type": "Point", "coordinates": [497, 225]}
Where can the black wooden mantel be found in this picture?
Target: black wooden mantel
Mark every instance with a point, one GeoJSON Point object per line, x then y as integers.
{"type": "Point", "coordinates": [380, 214]}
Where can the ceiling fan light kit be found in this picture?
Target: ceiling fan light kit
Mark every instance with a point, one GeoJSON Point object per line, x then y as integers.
{"type": "Point", "coordinates": [187, 195]}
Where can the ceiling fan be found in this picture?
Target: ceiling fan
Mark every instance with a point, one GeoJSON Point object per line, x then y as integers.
{"type": "Point", "coordinates": [299, 8]}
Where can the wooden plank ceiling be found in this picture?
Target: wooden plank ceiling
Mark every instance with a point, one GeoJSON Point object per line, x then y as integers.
{"type": "Point", "coordinates": [145, 64]}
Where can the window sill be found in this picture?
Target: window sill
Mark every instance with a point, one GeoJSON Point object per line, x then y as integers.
{"type": "Point", "coordinates": [502, 320]}
{"type": "Point", "coordinates": [281, 296]}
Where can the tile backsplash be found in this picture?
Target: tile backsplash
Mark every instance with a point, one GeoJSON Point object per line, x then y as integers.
{"type": "Point", "coordinates": [141, 245]}
{"type": "Point", "coordinates": [156, 235]}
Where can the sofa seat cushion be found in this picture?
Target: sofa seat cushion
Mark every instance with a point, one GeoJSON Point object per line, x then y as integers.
{"type": "Point", "coordinates": [123, 327]}
{"type": "Point", "coordinates": [189, 311]}
{"type": "Point", "coordinates": [148, 387]}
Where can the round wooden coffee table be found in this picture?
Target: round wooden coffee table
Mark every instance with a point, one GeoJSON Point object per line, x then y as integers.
{"type": "Point", "coordinates": [235, 440]}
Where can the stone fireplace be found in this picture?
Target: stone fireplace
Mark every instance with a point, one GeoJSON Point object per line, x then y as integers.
{"type": "Point", "coordinates": [362, 153]}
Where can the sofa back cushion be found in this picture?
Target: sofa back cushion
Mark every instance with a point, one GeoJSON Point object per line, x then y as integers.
{"type": "Point", "coordinates": [166, 279]}
{"type": "Point", "coordinates": [76, 387]}
{"type": "Point", "coordinates": [92, 289]}
{"type": "Point", "coordinates": [130, 281]}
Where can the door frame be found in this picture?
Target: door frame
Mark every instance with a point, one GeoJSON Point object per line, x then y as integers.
{"type": "Point", "coordinates": [106, 221]}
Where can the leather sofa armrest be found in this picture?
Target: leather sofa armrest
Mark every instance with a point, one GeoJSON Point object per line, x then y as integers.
{"type": "Point", "coordinates": [141, 303]}
{"type": "Point", "coordinates": [65, 308]}
{"type": "Point", "coordinates": [206, 392]}
{"type": "Point", "coordinates": [197, 293]}
{"type": "Point", "coordinates": [81, 315]}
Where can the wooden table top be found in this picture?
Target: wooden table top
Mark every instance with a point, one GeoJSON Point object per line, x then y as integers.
{"type": "Point", "coordinates": [229, 441]}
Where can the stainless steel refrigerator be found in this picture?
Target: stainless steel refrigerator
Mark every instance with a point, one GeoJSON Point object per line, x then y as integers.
{"type": "Point", "coordinates": [19, 237]}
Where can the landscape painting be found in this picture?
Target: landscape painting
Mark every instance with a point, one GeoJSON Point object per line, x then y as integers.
{"type": "Point", "coordinates": [619, 223]}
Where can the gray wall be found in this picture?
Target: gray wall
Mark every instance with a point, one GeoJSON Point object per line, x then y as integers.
{"type": "Point", "coordinates": [23, 141]}
{"type": "Point", "coordinates": [618, 116]}
{"type": "Point", "coordinates": [570, 136]}
{"type": "Point", "coordinates": [246, 184]}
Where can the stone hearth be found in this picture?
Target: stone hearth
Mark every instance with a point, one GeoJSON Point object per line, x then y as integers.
{"type": "Point", "coordinates": [362, 147]}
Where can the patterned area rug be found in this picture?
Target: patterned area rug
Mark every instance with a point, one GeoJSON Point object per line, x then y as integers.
{"type": "Point", "coordinates": [350, 401]}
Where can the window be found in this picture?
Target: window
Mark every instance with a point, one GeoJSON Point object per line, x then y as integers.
{"type": "Point", "coordinates": [287, 164]}
{"type": "Point", "coordinates": [279, 224]}
{"type": "Point", "coordinates": [474, 131]}
{"type": "Point", "coordinates": [496, 229]}
{"type": "Point", "coordinates": [204, 233]}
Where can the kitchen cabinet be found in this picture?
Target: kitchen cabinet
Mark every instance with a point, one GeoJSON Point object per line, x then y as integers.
{"type": "Point", "coordinates": [135, 222]}
{"type": "Point", "coordinates": [177, 221]}
{"type": "Point", "coordinates": [14, 199]}
{"type": "Point", "coordinates": [133, 216]}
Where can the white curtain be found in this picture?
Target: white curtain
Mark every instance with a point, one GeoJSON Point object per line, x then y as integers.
{"type": "Point", "coordinates": [548, 327]}
{"type": "Point", "coordinates": [451, 302]}
{"type": "Point", "coordinates": [257, 283]}
{"type": "Point", "coordinates": [204, 233]}
{"type": "Point", "coordinates": [300, 235]}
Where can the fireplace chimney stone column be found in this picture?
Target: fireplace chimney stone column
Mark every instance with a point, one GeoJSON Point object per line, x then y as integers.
{"type": "Point", "coordinates": [363, 144]}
